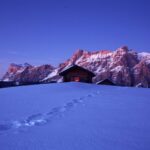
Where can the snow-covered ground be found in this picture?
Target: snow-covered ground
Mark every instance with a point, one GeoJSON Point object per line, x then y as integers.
{"type": "Point", "coordinates": [74, 116]}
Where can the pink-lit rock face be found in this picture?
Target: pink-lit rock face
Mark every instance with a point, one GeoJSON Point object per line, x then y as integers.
{"type": "Point", "coordinates": [123, 67]}
{"type": "Point", "coordinates": [27, 73]}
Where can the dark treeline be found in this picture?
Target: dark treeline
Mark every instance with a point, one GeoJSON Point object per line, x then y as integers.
{"type": "Point", "coordinates": [4, 84]}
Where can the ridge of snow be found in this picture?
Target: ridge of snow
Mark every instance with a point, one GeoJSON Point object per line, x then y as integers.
{"type": "Point", "coordinates": [96, 57]}
{"type": "Point", "coordinates": [100, 70]}
{"type": "Point", "coordinates": [117, 69]}
{"type": "Point", "coordinates": [79, 60]}
{"type": "Point", "coordinates": [147, 61]}
{"type": "Point", "coordinates": [143, 55]}
{"type": "Point", "coordinates": [6, 80]}
{"type": "Point", "coordinates": [20, 71]}
{"type": "Point", "coordinates": [52, 74]}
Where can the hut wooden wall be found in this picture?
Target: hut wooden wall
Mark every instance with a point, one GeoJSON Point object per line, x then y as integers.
{"type": "Point", "coordinates": [83, 75]}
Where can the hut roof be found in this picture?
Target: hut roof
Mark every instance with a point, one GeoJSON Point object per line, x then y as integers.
{"type": "Point", "coordinates": [72, 67]}
{"type": "Point", "coordinates": [106, 81]}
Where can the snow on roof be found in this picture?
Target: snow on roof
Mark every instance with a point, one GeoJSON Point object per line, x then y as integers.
{"type": "Point", "coordinates": [107, 79]}
{"type": "Point", "coordinates": [75, 65]}
{"type": "Point", "coordinates": [68, 67]}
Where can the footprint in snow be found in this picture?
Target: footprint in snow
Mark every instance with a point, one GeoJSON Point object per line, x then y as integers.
{"type": "Point", "coordinates": [37, 122]}
{"type": "Point", "coordinates": [77, 101]}
{"type": "Point", "coordinates": [89, 95]}
{"type": "Point", "coordinates": [41, 119]}
{"type": "Point", "coordinates": [55, 111]}
{"type": "Point", "coordinates": [34, 117]}
{"type": "Point", "coordinates": [69, 105]}
{"type": "Point", "coordinates": [5, 126]}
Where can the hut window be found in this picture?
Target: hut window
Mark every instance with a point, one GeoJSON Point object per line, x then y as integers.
{"type": "Point", "coordinates": [77, 79]}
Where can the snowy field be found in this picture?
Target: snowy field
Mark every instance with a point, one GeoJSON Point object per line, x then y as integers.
{"type": "Point", "coordinates": [74, 116]}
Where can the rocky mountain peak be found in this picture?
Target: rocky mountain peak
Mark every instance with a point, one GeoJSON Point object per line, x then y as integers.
{"type": "Point", "coordinates": [123, 66]}
{"type": "Point", "coordinates": [122, 49]}
{"type": "Point", "coordinates": [77, 55]}
{"type": "Point", "coordinates": [27, 65]}
{"type": "Point", "coordinates": [27, 72]}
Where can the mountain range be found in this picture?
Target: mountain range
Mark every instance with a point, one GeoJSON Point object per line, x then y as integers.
{"type": "Point", "coordinates": [124, 66]}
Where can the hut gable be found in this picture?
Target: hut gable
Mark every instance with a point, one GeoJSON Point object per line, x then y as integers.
{"type": "Point", "coordinates": [77, 74]}
{"type": "Point", "coordinates": [105, 82]}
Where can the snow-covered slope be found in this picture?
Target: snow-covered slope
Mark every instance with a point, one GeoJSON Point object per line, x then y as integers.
{"type": "Point", "coordinates": [74, 116]}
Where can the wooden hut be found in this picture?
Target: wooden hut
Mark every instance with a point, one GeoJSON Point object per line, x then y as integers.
{"type": "Point", "coordinates": [105, 82]}
{"type": "Point", "coordinates": [75, 73]}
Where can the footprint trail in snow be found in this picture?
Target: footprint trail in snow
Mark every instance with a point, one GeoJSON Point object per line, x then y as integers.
{"type": "Point", "coordinates": [41, 119]}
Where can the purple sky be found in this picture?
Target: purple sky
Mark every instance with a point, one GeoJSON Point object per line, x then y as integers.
{"type": "Point", "coordinates": [49, 31]}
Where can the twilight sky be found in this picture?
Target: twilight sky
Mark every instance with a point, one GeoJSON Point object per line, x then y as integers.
{"type": "Point", "coordinates": [49, 31]}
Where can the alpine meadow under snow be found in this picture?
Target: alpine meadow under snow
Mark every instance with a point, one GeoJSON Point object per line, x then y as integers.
{"type": "Point", "coordinates": [74, 116]}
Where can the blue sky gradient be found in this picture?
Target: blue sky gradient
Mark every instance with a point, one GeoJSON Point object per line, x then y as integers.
{"type": "Point", "coordinates": [49, 31]}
